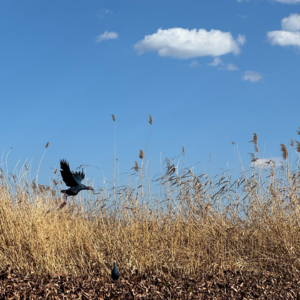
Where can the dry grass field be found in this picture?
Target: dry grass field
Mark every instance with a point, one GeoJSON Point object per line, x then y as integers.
{"type": "Point", "coordinates": [193, 225]}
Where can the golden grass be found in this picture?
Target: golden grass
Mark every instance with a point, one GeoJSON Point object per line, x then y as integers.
{"type": "Point", "coordinates": [192, 224]}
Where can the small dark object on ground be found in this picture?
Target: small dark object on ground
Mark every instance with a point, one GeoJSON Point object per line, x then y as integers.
{"type": "Point", "coordinates": [115, 274]}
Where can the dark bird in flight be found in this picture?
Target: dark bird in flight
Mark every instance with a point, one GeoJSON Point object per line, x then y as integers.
{"type": "Point", "coordinates": [72, 180]}
{"type": "Point", "coordinates": [115, 274]}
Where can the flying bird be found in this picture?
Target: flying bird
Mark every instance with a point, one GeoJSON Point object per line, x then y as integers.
{"type": "Point", "coordinates": [72, 180]}
{"type": "Point", "coordinates": [115, 274]}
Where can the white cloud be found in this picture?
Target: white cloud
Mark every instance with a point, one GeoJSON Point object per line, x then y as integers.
{"type": "Point", "coordinates": [183, 43]}
{"type": "Point", "coordinates": [291, 23]}
{"type": "Point", "coordinates": [241, 39]}
{"type": "Point", "coordinates": [252, 76]}
{"type": "Point", "coordinates": [290, 33]}
{"type": "Point", "coordinates": [106, 36]}
{"type": "Point", "coordinates": [194, 64]}
{"type": "Point", "coordinates": [230, 67]}
{"type": "Point", "coordinates": [267, 162]}
{"type": "Point", "coordinates": [284, 38]}
{"type": "Point", "coordinates": [227, 67]}
{"type": "Point", "coordinates": [215, 62]}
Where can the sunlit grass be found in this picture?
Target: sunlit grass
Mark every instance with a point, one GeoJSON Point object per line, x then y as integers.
{"type": "Point", "coordinates": [193, 223]}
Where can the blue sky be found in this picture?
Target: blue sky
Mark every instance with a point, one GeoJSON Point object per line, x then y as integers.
{"type": "Point", "coordinates": [209, 72]}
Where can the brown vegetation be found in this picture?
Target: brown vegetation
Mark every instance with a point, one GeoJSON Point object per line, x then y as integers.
{"type": "Point", "coordinates": [232, 285]}
{"type": "Point", "coordinates": [194, 228]}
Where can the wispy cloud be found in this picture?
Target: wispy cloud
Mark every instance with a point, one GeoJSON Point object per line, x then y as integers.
{"type": "Point", "coordinates": [273, 162]}
{"type": "Point", "coordinates": [183, 43]}
{"type": "Point", "coordinates": [290, 33]}
{"type": "Point", "coordinates": [242, 16]}
{"type": "Point", "coordinates": [252, 76]}
{"type": "Point", "coordinates": [215, 62]}
{"type": "Point", "coordinates": [223, 66]}
{"type": "Point", "coordinates": [194, 64]}
{"type": "Point", "coordinates": [107, 35]}
{"type": "Point", "coordinates": [230, 67]}
{"type": "Point", "coordinates": [104, 12]}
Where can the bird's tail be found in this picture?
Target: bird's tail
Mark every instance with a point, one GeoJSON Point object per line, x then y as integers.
{"type": "Point", "coordinates": [63, 191]}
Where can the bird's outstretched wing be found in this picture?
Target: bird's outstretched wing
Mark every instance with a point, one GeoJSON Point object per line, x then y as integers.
{"type": "Point", "coordinates": [78, 176]}
{"type": "Point", "coordinates": [66, 174]}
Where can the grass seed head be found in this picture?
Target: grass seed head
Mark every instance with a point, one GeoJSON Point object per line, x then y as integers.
{"type": "Point", "coordinates": [141, 155]}
{"type": "Point", "coordinates": [298, 146]}
{"type": "Point", "coordinates": [136, 166]}
{"type": "Point", "coordinates": [254, 141]}
{"type": "Point", "coordinates": [284, 151]}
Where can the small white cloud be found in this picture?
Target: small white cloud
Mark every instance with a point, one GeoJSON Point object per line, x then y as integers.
{"type": "Point", "coordinates": [194, 64]}
{"type": "Point", "coordinates": [230, 67]}
{"type": "Point", "coordinates": [106, 36]}
{"type": "Point", "coordinates": [241, 39]}
{"type": "Point", "coordinates": [183, 43]}
{"type": "Point", "coordinates": [215, 62]}
{"type": "Point", "coordinates": [252, 76]}
{"type": "Point", "coordinates": [273, 162]}
{"type": "Point", "coordinates": [291, 23]}
{"type": "Point", "coordinates": [222, 66]}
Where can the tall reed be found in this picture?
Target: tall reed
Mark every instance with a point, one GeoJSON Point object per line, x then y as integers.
{"type": "Point", "coordinates": [189, 223]}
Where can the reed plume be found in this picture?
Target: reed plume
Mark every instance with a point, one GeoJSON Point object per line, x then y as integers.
{"type": "Point", "coordinates": [136, 166]}
{"type": "Point", "coordinates": [298, 146]}
{"type": "Point", "coordinates": [284, 151]}
{"type": "Point", "coordinates": [141, 155]}
{"type": "Point", "coordinates": [254, 141]}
